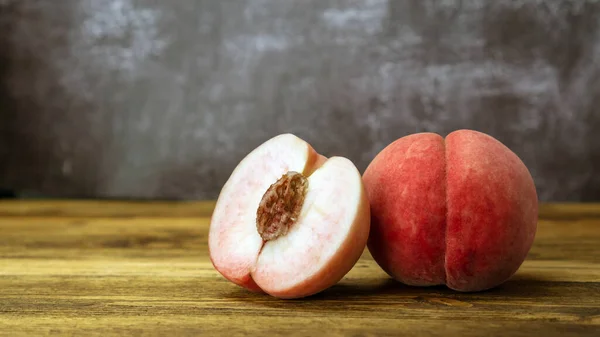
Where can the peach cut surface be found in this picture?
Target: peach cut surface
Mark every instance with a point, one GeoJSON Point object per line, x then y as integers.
{"type": "Point", "coordinates": [322, 243]}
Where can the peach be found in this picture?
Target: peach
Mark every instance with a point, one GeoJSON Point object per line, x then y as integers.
{"type": "Point", "coordinates": [288, 221]}
{"type": "Point", "coordinates": [460, 211]}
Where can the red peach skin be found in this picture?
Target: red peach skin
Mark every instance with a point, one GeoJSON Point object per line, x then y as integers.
{"type": "Point", "coordinates": [460, 211]}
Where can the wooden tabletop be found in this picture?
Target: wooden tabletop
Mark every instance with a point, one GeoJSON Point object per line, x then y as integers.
{"type": "Point", "coordinates": [134, 268]}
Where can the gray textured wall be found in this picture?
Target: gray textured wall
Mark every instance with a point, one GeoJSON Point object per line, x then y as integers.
{"type": "Point", "coordinates": [142, 98]}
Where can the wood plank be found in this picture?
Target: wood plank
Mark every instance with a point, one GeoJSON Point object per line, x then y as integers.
{"type": "Point", "coordinates": [569, 211]}
{"type": "Point", "coordinates": [117, 208]}
{"type": "Point", "coordinates": [105, 208]}
{"type": "Point", "coordinates": [103, 271]}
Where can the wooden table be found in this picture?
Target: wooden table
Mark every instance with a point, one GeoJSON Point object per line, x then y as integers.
{"type": "Point", "coordinates": [133, 268]}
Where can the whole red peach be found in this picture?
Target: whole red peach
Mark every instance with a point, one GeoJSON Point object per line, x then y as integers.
{"type": "Point", "coordinates": [460, 211]}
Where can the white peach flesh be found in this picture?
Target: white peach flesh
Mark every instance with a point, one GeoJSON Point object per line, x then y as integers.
{"type": "Point", "coordinates": [320, 247]}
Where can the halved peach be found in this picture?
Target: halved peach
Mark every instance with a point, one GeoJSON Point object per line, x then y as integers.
{"type": "Point", "coordinates": [288, 221]}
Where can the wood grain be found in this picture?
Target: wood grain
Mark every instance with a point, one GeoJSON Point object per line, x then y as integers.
{"type": "Point", "coordinates": [140, 268]}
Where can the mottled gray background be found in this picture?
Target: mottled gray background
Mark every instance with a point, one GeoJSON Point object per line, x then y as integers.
{"type": "Point", "coordinates": [161, 99]}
